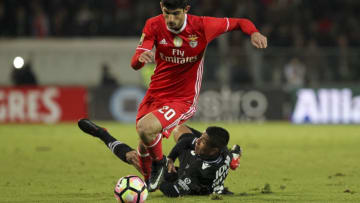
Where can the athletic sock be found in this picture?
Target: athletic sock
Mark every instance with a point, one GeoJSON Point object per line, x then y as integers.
{"type": "Point", "coordinates": [105, 136]}
{"type": "Point", "coordinates": [155, 148]}
{"type": "Point", "coordinates": [145, 164]}
{"type": "Point", "coordinates": [118, 148]}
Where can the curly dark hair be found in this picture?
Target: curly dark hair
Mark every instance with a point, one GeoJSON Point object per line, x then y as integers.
{"type": "Point", "coordinates": [175, 4]}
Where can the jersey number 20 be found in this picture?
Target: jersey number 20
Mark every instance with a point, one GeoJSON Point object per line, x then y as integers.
{"type": "Point", "coordinates": [168, 112]}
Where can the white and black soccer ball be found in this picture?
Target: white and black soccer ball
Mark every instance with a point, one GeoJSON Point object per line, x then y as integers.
{"type": "Point", "coordinates": [130, 189]}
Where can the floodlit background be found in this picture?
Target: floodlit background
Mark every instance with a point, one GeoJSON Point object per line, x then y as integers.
{"type": "Point", "coordinates": [312, 45]}
{"type": "Point", "coordinates": [61, 60]}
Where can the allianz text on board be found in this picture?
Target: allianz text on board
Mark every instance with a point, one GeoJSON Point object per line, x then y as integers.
{"type": "Point", "coordinates": [326, 106]}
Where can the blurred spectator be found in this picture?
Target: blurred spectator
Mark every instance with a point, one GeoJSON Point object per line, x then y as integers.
{"type": "Point", "coordinates": [324, 20]}
{"type": "Point", "coordinates": [39, 22]}
{"type": "Point", "coordinates": [303, 27]}
{"type": "Point", "coordinates": [343, 69]}
{"type": "Point", "coordinates": [59, 26]}
{"type": "Point", "coordinates": [316, 64]}
{"type": "Point", "coordinates": [106, 78]}
{"type": "Point", "coordinates": [84, 21]}
{"type": "Point", "coordinates": [294, 72]}
{"type": "Point", "coordinates": [238, 61]}
{"type": "Point", "coordinates": [3, 24]}
{"type": "Point", "coordinates": [123, 16]}
{"type": "Point", "coordinates": [21, 22]}
{"type": "Point", "coordinates": [24, 75]}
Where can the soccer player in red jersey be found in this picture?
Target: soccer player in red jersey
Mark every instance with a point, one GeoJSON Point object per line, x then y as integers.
{"type": "Point", "coordinates": [180, 40]}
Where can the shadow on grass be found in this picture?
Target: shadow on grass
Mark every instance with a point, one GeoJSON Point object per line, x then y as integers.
{"type": "Point", "coordinates": [247, 194]}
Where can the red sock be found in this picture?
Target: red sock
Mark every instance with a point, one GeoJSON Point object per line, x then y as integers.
{"type": "Point", "coordinates": [145, 164]}
{"type": "Point", "coordinates": [155, 148]}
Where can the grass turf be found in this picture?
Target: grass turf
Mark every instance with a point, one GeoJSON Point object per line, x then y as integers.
{"type": "Point", "coordinates": [281, 163]}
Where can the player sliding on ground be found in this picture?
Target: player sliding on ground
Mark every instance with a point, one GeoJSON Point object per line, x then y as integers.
{"type": "Point", "coordinates": [180, 40]}
{"type": "Point", "coordinates": [204, 159]}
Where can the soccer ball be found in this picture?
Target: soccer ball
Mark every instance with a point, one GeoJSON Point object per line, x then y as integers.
{"type": "Point", "coordinates": [130, 189]}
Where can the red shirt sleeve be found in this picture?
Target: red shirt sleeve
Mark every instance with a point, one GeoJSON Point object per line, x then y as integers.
{"type": "Point", "coordinates": [146, 43]}
{"type": "Point", "coordinates": [216, 26]}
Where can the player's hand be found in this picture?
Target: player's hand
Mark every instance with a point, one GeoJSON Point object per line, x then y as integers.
{"type": "Point", "coordinates": [132, 158]}
{"type": "Point", "coordinates": [146, 57]}
{"type": "Point", "coordinates": [171, 166]}
{"type": "Point", "coordinates": [258, 40]}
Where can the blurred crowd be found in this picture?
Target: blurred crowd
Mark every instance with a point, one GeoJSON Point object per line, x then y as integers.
{"type": "Point", "coordinates": [307, 28]}
{"type": "Point", "coordinates": [286, 22]}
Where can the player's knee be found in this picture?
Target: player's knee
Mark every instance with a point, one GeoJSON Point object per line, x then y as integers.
{"type": "Point", "coordinates": [142, 129]}
{"type": "Point", "coordinates": [146, 131]}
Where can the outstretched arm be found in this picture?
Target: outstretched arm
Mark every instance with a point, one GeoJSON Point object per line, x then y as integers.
{"type": "Point", "coordinates": [182, 145]}
{"type": "Point", "coordinates": [214, 27]}
{"type": "Point", "coordinates": [258, 40]}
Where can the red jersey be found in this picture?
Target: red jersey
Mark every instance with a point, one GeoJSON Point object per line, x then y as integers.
{"type": "Point", "coordinates": [180, 54]}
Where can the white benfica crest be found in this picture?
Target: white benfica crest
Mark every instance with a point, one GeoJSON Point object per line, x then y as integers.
{"type": "Point", "coordinates": [193, 41]}
{"type": "Point", "coordinates": [178, 41]}
{"type": "Point", "coordinates": [193, 44]}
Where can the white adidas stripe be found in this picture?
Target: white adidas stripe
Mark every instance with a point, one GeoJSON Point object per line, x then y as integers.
{"type": "Point", "coordinates": [192, 109]}
{"type": "Point", "coordinates": [113, 145]}
{"type": "Point", "coordinates": [227, 24]}
{"type": "Point", "coordinates": [143, 49]}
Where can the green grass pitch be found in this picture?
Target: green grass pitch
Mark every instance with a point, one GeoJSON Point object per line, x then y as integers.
{"type": "Point", "coordinates": [281, 163]}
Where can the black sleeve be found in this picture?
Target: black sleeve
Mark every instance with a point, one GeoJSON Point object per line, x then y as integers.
{"type": "Point", "coordinates": [168, 189]}
{"type": "Point", "coordinates": [182, 144]}
{"type": "Point", "coordinates": [182, 186]}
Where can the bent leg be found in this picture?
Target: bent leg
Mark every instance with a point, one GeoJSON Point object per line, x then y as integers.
{"type": "Point", "coordinates": [179, 130]}
{"type": "Point", "coordinates": [149, 129]}
{"type": "Point", "coordinates": [154, 121]}
{"type": "Point", "coordinates": [119, 149]}
{"type": "Point", "coordinates": [144, 160]}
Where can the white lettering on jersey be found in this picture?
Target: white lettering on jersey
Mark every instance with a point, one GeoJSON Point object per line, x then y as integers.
{"type": "Point", "coordinates": [178, 60]}
{"type": "Point", "coordinates": [221, 174]}
{"type": "Point", "coordinates": [178, 52]}
{"type": "Point", "coordinates": [184, 184]}
{"type": "Point", "coordinates": [205, 166]}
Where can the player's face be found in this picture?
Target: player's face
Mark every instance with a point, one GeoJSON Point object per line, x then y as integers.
{"type": "Point", "coordinates": [202, 145]}
{"type": "Point", "coordinates": [174, 18]}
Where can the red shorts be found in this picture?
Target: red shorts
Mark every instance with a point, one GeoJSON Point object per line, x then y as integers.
{"type": "Point", "coordinates": [169, 113]}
